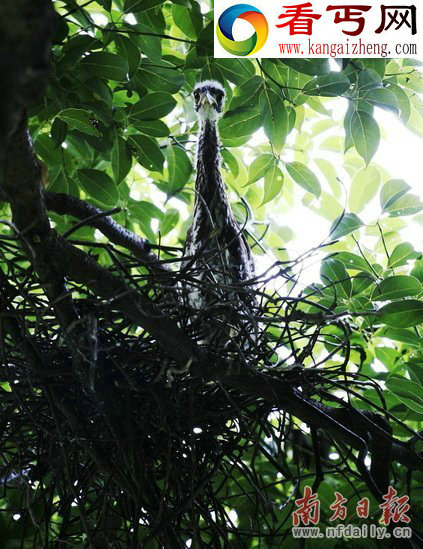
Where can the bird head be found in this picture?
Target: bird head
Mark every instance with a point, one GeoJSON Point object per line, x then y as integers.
{"type": "Point", "coordinates": [209, 98]}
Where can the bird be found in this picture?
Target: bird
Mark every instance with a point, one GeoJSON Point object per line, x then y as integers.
{"type": "Point", "coordinates": [216, 249]}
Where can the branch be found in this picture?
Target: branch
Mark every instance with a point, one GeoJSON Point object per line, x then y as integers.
{"type": "Point", "coordinates": [51, 251]}
{"type": "Point", "coordinates": [54, 258]}
{"type": "Point", "coordinates": [25, 28]}
{"type": "Point", "coordinates": [69, 205]}
{"type": "Point", "coordinates": [64, 204]}
{"type": "Point", "coordinates": [22, 176]}
{"type": "Point", "coordinates": [79, 266]}
{"type": "Point", "coordinates": [349, 424]}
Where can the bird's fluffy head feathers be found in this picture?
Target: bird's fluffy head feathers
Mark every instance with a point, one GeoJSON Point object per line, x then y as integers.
{"type": "Point", "coordinates": [209, 97]}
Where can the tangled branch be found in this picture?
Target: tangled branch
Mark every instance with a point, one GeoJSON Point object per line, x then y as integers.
{"type": "Point", "coordinates": [121, 398]}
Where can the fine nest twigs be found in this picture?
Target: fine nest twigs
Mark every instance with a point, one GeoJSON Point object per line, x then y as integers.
{"type": "Point", "coordinates": [132, 451]}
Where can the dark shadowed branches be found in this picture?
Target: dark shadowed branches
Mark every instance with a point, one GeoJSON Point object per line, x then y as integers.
{"type": "Point", "coordinates": [114, 410]}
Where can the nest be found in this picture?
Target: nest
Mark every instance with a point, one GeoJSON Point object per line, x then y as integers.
{"type": "Point", "coordinates": [132, 451]}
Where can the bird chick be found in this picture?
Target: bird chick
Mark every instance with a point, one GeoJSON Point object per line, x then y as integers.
{"type": "Point", "coordinates": [216, 250]}
{"type": "Point", "coordinates": [209, 98]}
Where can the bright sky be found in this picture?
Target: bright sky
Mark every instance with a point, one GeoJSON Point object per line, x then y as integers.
{"type": "Point", "coordinates": [399, 153]}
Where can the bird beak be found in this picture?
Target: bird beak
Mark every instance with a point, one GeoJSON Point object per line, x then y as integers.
{"type": "Point", "coordinates": [208, 99]}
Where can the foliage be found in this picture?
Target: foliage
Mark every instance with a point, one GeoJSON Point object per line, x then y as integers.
{"type": "Point", "coordinates": [117, 128]}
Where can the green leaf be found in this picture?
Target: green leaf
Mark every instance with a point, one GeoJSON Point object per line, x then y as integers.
{"type": "Point", "coordinates": [292, 118]}
{"type": "Point", "coordinates": [333, 272]}
{"type": "Point", "coordinates": [240, 122]}
{"type": "Point", "coordinates": [353, 262]}
{"type": "Point", "coordinates": [415, 367]}
{"type": "Point", "coordinates": [121, 159]}
{"type": "Point", "coordinates": [142, 210]}
{"type": "Point", "coordinates": [360, 283]}
{"type": "Point", "coordinates": [155, 19]}
{"type": "Point", "coordinates": [345, 224]}
{"type": "Point", "coordinates": [407, 386]}
{"type": "Point", "coordinates": [364, 187]}
{"type": "Point", "coordinates": [289, 79]}
{"type": "Point", "coordinates": [275, 118]}
{"type": "Point", "coordinates": [205, 41]}
{"type": "Point", "coordinates": [169, 221]}
{"type": "Point", "coordinates": [79, 119]}
{"type": "Point", "coordinates": [153, 106]}
{"type": "Point", "coordinates": [237, 178]}
{"type": "Point", "coordinates": [401, 254]}
{"type": "Point", "coordinates": [415, 121]}
{"type": "Point", "coordinates": [230, 162]}
{"type": "Point", "coordinates": [329, 206]}
{"type": "Point", "coordinates": [304, 177]}
{"type": "Point", "coordinates": [128, 51]}
{"type": "Point", "coordinates": [247, 94]}
{"type": "Point", "coordinates": [347, 129]}
{"type": "Point", "coordinates": [165, 77]}
{"type": "Point", "coordinates": [368, 79]}
{"type": "Point", "coordinates": [150, 46]}
{"type": "Point", "coordinates": [382, 97]}
{"type": "Point", "coordinates": [313, 67]}
{"type": "Point", "coordinates": [153, 128]}
{"type": "Point", "coordinates": [104, 64]}
{"type": "Point", "coordinates": [273, 183]}
{"type": "Point", "coordinates": [59, 182]}
{"type": "Point", "coordinates": [395, 287]}
{"type": "Point", "coordinates": [408, 204]}
{"type": "Point", "coordinates": [401, 334]}
{"type": "Point", "coordinates": [331, 85]}
{"type": "Point", "coordinates": [402, 314]}
{"type": "Point", "coordinates": [391, 191]}
{"type": "Point", "coordinates": [402, 100]}
{"type": "Point", "coordinates": [107, 4]}
{"type": "Point", "coordinates": [408, 392]}
{"type": "Point", "coordinates": [100, 91]}
{"type": "Point", "coordinates": [316, 104]}
{"type": "Point", "coordinates": [259, 167]}
{"type": "Point", "coordinates": [99, 186]}
{"type": "Point", "coordinates": [59, 131]}
{"type": "Point", "coordinates": [45, 148]}
{"type": "Point", "coordinates": [365, 134]}
{"type": "Point", "coordinates": [188, 20]}
{"type": "Point", "coordinates": [376, 65]}
{"type": "Point", "coordinates": [417, 270]}
{"type": "Point", "coordinates": [329, 172]}
{"type": "Point", "coordinates": [147, 151]}
{"type": "Point", "coordinates": [212, 72]}
{"type": "Point", "coordinates": [77, 46]}
{"type": "Point", "coordinates": [237, 71]}
{"type": "Point", "coordinates": [179, 167]}
{"type": "Point", "coordinates": [137, 6]}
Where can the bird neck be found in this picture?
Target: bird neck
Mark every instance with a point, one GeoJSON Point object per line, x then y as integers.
{"type": "Point", "coordinates": [209, 186]}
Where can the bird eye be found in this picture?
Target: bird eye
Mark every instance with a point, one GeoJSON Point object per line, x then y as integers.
{"type": "Point", "coordinates": [196, 95]}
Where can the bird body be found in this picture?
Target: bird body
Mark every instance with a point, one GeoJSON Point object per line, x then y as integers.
{"type": "Point", "coordinates": [215, 246]}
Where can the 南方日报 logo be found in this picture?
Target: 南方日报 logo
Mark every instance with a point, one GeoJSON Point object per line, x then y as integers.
{"type": "Point", "coordinates": [254, 17]}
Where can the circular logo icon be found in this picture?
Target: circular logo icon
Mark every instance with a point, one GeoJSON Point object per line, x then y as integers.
{"type": "Point", "coordinates": [254, 17]}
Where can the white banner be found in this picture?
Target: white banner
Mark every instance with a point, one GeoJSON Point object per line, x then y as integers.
{"type": "Point", "coordinates": [319, 28]}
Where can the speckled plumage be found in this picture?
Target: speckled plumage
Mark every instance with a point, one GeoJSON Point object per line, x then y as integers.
{"type": "Point", "coordinates": [224, 256]}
